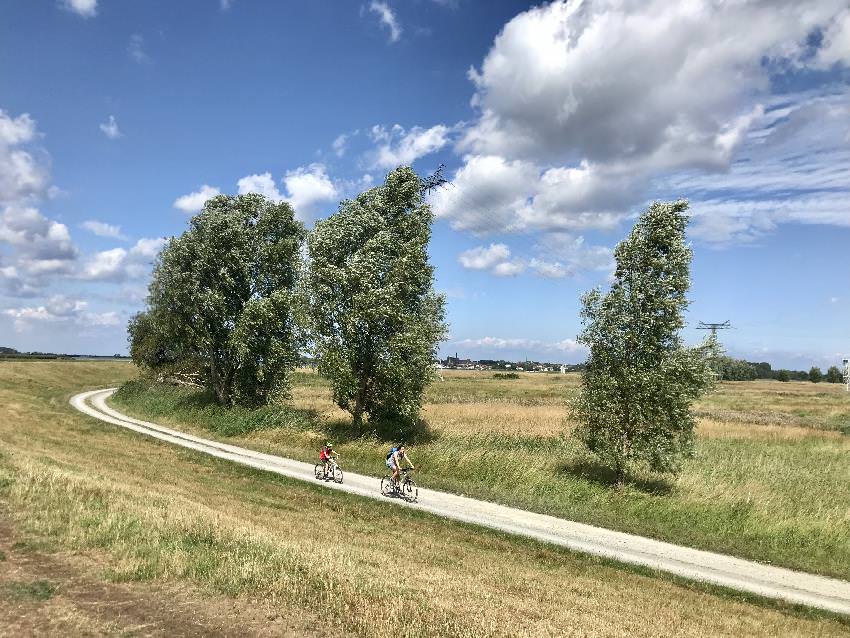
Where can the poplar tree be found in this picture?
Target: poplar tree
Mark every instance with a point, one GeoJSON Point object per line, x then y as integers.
{"type": "Point", "coordinates": [634, 406]}
{"type": "Point", "coordinates": [375, 318]}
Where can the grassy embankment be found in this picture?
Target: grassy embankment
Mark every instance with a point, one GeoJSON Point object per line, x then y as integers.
{"type": "Point", "coordinates": [769, 481]}
{"type": "Point", "coordinates": [140, 513]}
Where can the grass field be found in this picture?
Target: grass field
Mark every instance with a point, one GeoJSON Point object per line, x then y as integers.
{"type": "Point", "coordinates": [769, 481]}
{"type": "Point", "coordinates": [90, 512]}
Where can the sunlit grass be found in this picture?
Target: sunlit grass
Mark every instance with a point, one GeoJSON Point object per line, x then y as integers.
{"type": "Point", "coordinates": [165, 514]}
{"type": "Point", "coordinates": [772, 489]}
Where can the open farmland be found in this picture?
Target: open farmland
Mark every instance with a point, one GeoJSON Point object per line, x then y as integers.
{"type": "Point", "coordinates": [770, 487]}
{"type": "Point", "coordinates": [180, 543]}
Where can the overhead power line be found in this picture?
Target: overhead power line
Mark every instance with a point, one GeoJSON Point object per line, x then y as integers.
{"type": "Point", "coordinates": [714, 327]}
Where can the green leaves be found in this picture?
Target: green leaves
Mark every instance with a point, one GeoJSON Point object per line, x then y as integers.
{"type": "Point", "coordinates": [374, 316]}
{"type": "Point", "coordinates": [221, 303]}
{"type": "Point", "coordinates": [634, 406]}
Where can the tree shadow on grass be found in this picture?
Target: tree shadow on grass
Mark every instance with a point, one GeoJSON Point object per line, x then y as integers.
{"type": "Point", "coordinates": [595, 472]}
{"type": "Point", "coordinates": [240, 420]}
{"type": "Point", "coordinates": [385, 430]}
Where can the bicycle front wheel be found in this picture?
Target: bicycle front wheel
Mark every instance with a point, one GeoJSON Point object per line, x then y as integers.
{"type": "Point", "coordinates": [387, 486]}
{"type": "Point", "coordinates": [337, 474]}
{"type": "Point", "coordinates": [409, 491]}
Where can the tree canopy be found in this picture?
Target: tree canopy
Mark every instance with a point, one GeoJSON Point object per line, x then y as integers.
{"type": "Point", "coordinates": [375, 318]}
{"type": "Point", "coordinates": [834, 375]}
{"type": "Point", "coordinates": [640, 381]}
{"type": "Point", "coordinates": [221, 302]}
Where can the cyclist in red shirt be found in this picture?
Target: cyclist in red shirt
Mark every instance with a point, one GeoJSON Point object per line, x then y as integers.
{"type": "Point", "coordinates": [326, 455]}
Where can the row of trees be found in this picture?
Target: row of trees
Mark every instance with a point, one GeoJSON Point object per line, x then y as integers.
{"type": "Point", "coordinates": [729, 369]}
{"type": "Point", "coordinates": [833, 375]}
{"type": "Point", "coordinates": [236, 299]}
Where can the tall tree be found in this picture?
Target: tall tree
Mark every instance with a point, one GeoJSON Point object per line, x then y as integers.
{"type": "Point", "coordinates": [375, 318]}
{"type": "Point", "coordinates": [834, 375]}
{"type": "Point", "coordinates": [640, 382]}
{"type": "Point", "coordinates": [815, 375]}
{"type": "Point", "coordinates": [221, 301]}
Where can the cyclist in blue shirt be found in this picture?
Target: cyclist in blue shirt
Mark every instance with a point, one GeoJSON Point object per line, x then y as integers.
{"type": "Point", "coordinates": [394, 459]}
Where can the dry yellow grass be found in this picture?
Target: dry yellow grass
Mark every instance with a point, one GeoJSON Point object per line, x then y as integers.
{"type": "Point", "coordinates": [169, 515]}
{"type": "Point", "coordinates": [508, 418]}
{"type": "Point", "coordinates": [474, 402]}
{"type": "Point", "coordinates": [713, 429]}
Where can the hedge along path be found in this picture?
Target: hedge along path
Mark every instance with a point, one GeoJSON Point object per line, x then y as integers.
{"type": "Point", "coordinates": [718, 569]}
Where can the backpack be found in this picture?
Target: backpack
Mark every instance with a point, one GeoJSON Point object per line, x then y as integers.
{"type": "Point", "coordinates": [392, 451]}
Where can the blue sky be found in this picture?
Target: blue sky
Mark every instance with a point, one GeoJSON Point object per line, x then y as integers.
{"type": "Point", "coordinates": [556, 123]}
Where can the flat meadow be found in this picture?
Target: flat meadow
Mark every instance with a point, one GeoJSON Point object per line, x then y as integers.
{"type": "Point", "coordinates": [105, 532]}
{"type": "Point", "coordinates": [768, 480]}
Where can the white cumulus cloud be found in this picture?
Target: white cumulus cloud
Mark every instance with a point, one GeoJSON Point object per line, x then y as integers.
{"type": "Point", "coordinates": [193, 202]}
{"type": "Point", "coordinates": [494, 258]}
{"type": "Point", "coordinates": [262, 183]}
{"type": "Point", "coordinates": [120, 264]}
{"type": "Point", "coordinates": [484, 258]}
{"type": "Point", "coordinates": [307, 188]}
{"type": "Point", "coordinates": [583, 108]}
{"type": "Point", "coordinates": [22, 175]}
{"type": "Point", "coordinates": [84, 8]}
{"type": "Point", "coordinates": [397, 146]}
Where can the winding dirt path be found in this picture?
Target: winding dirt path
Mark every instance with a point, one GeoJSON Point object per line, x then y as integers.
{"type": "Point", "coordinates": [743, 575]}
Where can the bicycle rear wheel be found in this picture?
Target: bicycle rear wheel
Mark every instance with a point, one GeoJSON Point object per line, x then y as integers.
{"type": "Point", "coordinates": [337, 474]}
{"type": "Point", "coordinates": [409, 491]}
{"type": "Point", "coordinates": [319, 470]}
{"type": "Point", "coordinates": [387, 486]}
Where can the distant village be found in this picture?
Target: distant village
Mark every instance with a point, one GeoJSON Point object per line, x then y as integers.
{"type": "Point", "coordinates": [456, 363]}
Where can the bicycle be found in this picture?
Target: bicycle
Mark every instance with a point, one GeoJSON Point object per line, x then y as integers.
{"type": "Point", "coordinates": [334, 472]}
{"type": "Point", "coordinates": [405, 488]}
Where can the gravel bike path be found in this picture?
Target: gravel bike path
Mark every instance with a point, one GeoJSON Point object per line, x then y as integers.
{"type": "Point", "coordinates": [719, 569]}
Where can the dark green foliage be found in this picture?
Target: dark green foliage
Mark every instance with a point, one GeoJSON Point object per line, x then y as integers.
{"type": "Point", "coordinates": [375, 318]}
{"type": "Point", "coordinates": [221, 304]}
{"type": "Point", "coordinates": [833, 375]}
{"type": "Point", "coordinates": [159, 400]}
{"type": "Point", "coordinates": [729, 369]}
{"type": "Point", "coordinates": [815, 375]}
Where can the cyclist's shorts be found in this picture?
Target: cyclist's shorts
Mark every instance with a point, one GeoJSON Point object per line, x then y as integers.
{"type": "Point", "coordinates": [391, 463]}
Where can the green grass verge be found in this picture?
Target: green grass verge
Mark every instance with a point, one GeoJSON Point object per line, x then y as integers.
{"type": "Point", "coordinates": [778, 501]}
{"type": "Point", "coordinates": [36, 590]}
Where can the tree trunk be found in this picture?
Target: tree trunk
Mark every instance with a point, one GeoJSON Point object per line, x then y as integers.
{"type": "Point", "coordinates": [619, 476]}
{"type": "Point", "coordinates": [219, 382]}
{"type": "Point", "coordinates": [359, 401]}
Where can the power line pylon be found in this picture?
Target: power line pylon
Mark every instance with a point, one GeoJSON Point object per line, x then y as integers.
{"type": "Point", "coordinates": [434, 181]}
{"type": "Point", "coordinates": [714, 327]}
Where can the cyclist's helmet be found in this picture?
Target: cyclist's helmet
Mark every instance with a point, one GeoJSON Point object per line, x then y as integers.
{"type": "Point", "coordinates": [329, 445]}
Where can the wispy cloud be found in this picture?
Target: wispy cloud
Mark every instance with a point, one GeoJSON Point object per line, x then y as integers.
{"type": "Point", "coordinates": [531, 346]}
{"type": "Point", "coordinates": [399, 147]}
{"type": "Point", "coordinates": [110, 128]}
{"type": "Point", "coordinates": [388, 19]}
{"type": "Point", "coordinates": [102, 229]}
{"type": "Point", "coordinates": [136, 49]}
